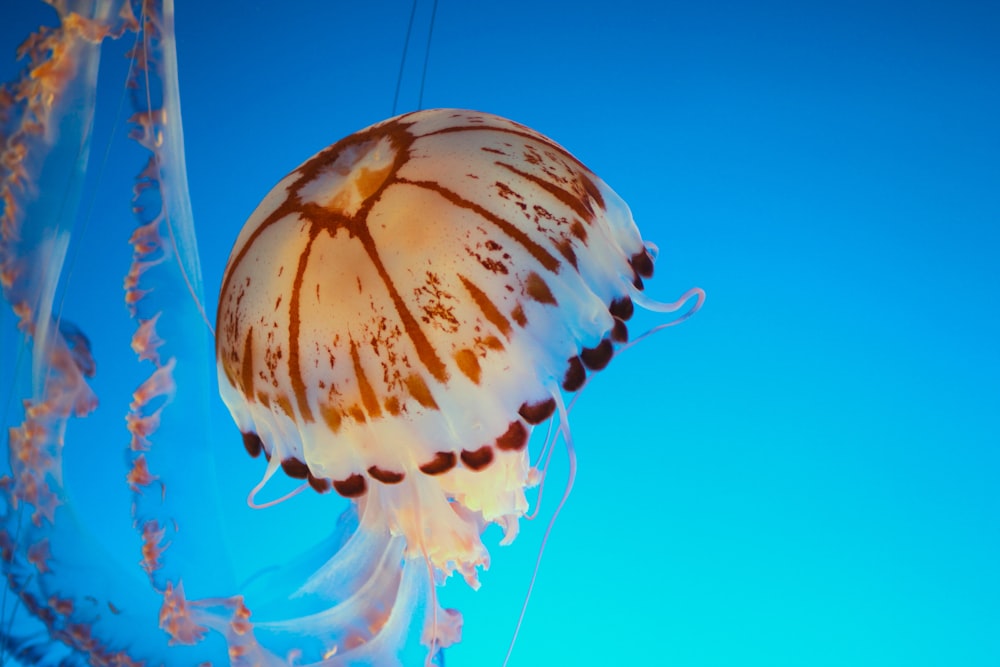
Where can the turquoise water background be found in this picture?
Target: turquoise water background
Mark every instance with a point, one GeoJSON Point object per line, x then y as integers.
{"type": "Point", "coordinates": [803, 474]}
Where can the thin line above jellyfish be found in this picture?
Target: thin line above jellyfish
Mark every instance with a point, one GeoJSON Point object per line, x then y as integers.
{"type": "Point", "coordinates": [396, 317]}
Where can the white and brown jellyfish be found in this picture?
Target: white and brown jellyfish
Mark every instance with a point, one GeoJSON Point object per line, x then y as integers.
{"type": "Point", "coordinates": [402, 309]}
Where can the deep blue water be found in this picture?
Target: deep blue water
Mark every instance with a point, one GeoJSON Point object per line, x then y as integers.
{"type": "Point", "coordinates": [805, 473]}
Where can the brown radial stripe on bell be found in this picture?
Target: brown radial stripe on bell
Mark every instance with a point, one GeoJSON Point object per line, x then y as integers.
{"type": "Point", "coordinates": [597, 358]}
{"type": "Point", "coordinates": [253, 444]}
{"type": "Point", "coordinates": [565, 248]}
{"type": "Point", "coordinates": [332, 416]}
{"type": "Point", "coordinates": [295, 468]}
{"type": "Point", "coordinates": [642, 262]}
{"type": "Point", "coordinates": [386, 476]}
{"type": "Point", "coordinates": [319, 484]}
{"type": "Point", "coordinates": [575, 375]}
{"type": "Point", "coordinates": [352, 487]}
{"type": "Point", "coordinates": [477, 459]}
{"type": "Point", "coordinates": [537, 289]}
{"type": "Point", "coordinates": [441, 463]}
{"type": "Point", "coordinates": [247, 370]}
{"type": "Point", "coordinates": [392, 405]}
{"type": "Point", "coordinates": [536, 413]}
{"type": "Point", "coordinates": [619, 332]}
{"type": "Point", "coordinates": [419, 390]}
{"type": "Point", "coordinates": [514, 438]}
{"type": "Point", "coordinates": [518, 316]}
{"type": "Point", "coordinates": [622, 308]}
{"type": "Point", "coordinates": [468, 363]}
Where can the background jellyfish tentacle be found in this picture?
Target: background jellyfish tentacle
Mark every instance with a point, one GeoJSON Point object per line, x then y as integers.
{"type": "Point", "coordinates": [70, 591]}
{"type": "Point", "coordinates": [51, 383]}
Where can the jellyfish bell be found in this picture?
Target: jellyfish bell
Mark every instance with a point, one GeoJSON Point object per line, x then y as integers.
{"type": "Point", "coordinates": [401, 310]}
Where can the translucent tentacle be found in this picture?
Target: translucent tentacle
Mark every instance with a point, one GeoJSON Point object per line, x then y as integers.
{"type": "Point", "coordinates": [697, 293]}
{"type": "Point", "coordinates": [73, 596]}
{"type": "Point", "coordinates": [564, 431]}
{"type": "Point", "coordinates": [61, 610]}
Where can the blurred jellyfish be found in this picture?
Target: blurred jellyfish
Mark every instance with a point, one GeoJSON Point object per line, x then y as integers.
{"type": "Point", "coordinates": [396, 317]}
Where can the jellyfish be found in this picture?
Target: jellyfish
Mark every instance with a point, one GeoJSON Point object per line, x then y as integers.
{"type": "Point", "coordinates": [406, 306]}
{"type": "Point", "coordinates": [396, 318]}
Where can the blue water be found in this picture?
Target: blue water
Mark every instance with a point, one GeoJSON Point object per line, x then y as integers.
{"type": "Point", "coordinates": [806, 472]}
